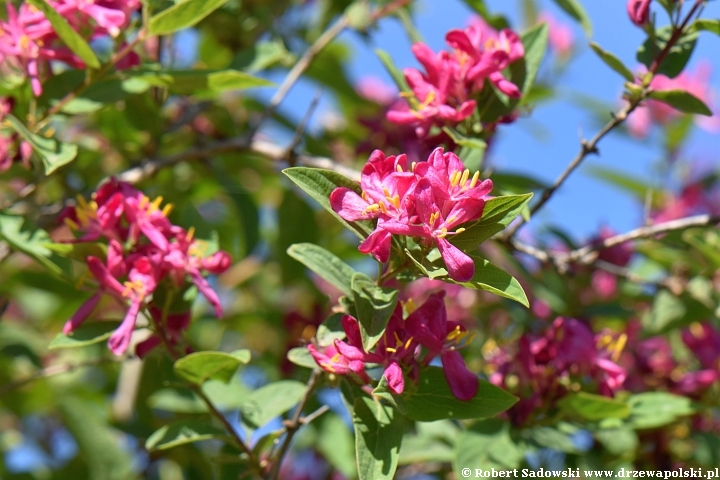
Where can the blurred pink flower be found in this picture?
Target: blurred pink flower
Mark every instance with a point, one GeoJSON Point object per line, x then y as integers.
{"type": "Point", "coordinates": [652, 111]}
{"type": "Point", "coordinates": [639, 11]}
{"type": "Point", "coordinates": [561, 38]}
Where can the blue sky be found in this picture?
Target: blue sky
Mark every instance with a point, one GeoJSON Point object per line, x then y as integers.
{"type": "Point", "coordinates": [584, 203]}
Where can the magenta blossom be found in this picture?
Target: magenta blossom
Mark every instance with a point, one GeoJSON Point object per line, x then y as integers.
{"type": "Point", "coordinates": [430, 327]}
{"type": "Point", "coordinates": [144, 251]}
{"type": "Point", "coordinates": [429, 202]}
{"type": "Point", "coordinates": [639, 11]}
{"type": "Point", "coordinates": [398, 351]}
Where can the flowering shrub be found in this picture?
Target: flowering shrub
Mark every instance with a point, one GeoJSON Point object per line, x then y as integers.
{"type": "Point", "coordinates": [201, 283]}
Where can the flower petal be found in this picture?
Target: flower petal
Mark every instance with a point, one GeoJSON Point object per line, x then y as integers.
{"type": "Point", "coordinates": [460, 266]}
{"type": "Point", "coordinates": [463, 383]}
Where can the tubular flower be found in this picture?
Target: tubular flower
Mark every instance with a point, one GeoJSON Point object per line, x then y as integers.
{"type": "Point", "coordinates": [430, 202]}
{"type": "Point", "coordinates": [398, 351]}
{"type": "Point", "coordinates": [445, 94]}
{"type": "Point", "coordinates": [28, 41]}
{"type": "Point", "coordinates": [639, 11]}
{"type": "Point", "coordinates": [145, 250]}
{"type": "Point", "coordinates": [566, 357]}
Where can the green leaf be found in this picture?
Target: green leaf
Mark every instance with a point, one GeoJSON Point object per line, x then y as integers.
{"type": "Point", "coordinates": [191, 81]}
{"type": "Point", "coordinates": [70, 37]}
{"type": "Point", "coordinates": [325, 264]}
{"type": "Point", "coordinates": [429, 442]}
{"type": "Point", "coordinates": [374, 307]}
{"type": "Point", "coordinates": [432, 399]}
{"type": "Point", "coordinates": [296, 224]}
{"type": "Point", "coordinates": [359, 15]}
{"type": "Point", "coordinates": [182, 15]}
{"type": "Point", "coordinates": [575, 9]}
{"type": "Point", "coordinates": [681, 100]}
{"type": "Point", "coordinates": [378, 436]}
{"type": "Point", "coordinates": [34, 244]}
{"type": "Point", "coordinates": [272, 400]}
{"type": "Point", "coordinates": [707, 25]}
{"type": "Point", "coordinates": [495, 280]}
{"type": "Point", "coordinates": [177, 401]}
{"type": "Point", "coordinates": [535, 44]}
{"type": "Point", "coordinates": [319, 184]}
{"type": "Point", "coordinates": [182, 433]}
{"type": "Point", "coordinates": [593, 407]}
{"type": "Point", "coordinates": [88, 333]}
{"type": "Point", "coordinates": [497, 215]}
{"type": "Point", "coordinates": [655, 409]}
{"type": "Point", "coordinates": [100, 445]}
{"type": "Point", "coordinates": [707, 242]}
{"type": "Point", "coordinates": [613, 62]}
{"type": "Point", "coordinates": [396, 74]}
{"type": "Point", "coordinates": [677, 58]}
{"type": "Point", "coordinates": [199, 367]}
{"type": "Point", "coordinates": [336, 443]}
{"type": "Point", "coordinates": [463, 141]}
{"type": "Point", "coordinates": [667, 309]}
{"type": "Point", "coordinates": [53, 154]}
{"type": "Point", "coordinates": [485, 445]}
{"type": "Point", "coordinates": [301, 357]}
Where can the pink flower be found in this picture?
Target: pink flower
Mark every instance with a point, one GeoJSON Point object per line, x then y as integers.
{"type": "Point", "coordinates": [144, 250]}
{"type": "Point", "coordinates": [560, 35]}
{"type": "Point", "coordinates": [697, 83]}
{"type": "Point", "coordinates": [428, 324]}
{"type": "Point", "coordinates": [429, 201]}
{"type": "Point", "coordinates": [444, 94]}
{"type": "Point", "coordinates": [704, 341]}
{"type": "Point", "coordinates": [639, 11]}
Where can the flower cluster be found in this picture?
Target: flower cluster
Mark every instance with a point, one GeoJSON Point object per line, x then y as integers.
{"type": "Point", "coordinates": [653, 111]}
{"type": "Point", "coordinates": [444, 93]}
{"type": "Point", "coordinates": [400, 350]}
{"type": "Point", "coordinates": [653, 365]}
{"type": "Point", "coordinates": [11, 148]}
{"type": "Point", "coordinates": [28, 40]}
{"type": "Point", "coordinates": [144, 251]}
{"type": "Point", "coordinates": [548, 366]}
{"type": "Point", "coordinates": [427, 200]}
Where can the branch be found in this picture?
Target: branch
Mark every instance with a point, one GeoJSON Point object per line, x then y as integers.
{"type": "Point", "coordinates": [588, 147]}
{"type": "Point", "coordinates": [293, 425]}
{"type": "Point", "coordinates": [304, 62]}
{"type": "Point", "coordinates": [587, 255]}
{"type": "Point", "coordinates": [150, 167]}
{"type": "Point", "coordinates": [583, 255]}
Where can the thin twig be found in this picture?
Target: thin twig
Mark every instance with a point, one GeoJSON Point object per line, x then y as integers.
{"type": "Point", "coordinates": [306, 59]}
{"type": "Point", "coordinates": [150, 167]}
{"type": "Point", "coordinates": [119, 55]}
{"type": "Point", "coordinates": [588, 147]}
{"type": "Point", "coordinates": [293, 425]}
{"type": "Point", "coordinates": [583, 255]}
{"type": "Point", "coordinates": [52, 371]}
{"type": "Point", "coordinates": [290, 153]}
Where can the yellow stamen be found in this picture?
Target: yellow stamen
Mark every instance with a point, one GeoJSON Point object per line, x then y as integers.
{"type": "Point", "coordinates": [386, 192]}
{"type": "Point", "coordinates": [395, 200]}
{"type": "Point", "coordinates": [167, 209]}
{"type": "Point", "coordinates": [412, 166]}
{"type": "Point", "coordinates": [190, 234]}
{"type": "Point", "coordinates": [383, 208]}
{"type": "Point", "coordinates": [460, 230]}
{"type": "Point", "coordinates": [71, 223]}
{"type": "Point", "coordinates": [455, 178]}
{"type": "Point", "coordinates": [398, 342]}
{"type": "Point", "coordinates": [409, 306]}
{"type": "Point", "coordinates": [143, 202]}
{"type": "Point", "coordinates": [433, 217]}
{"type": "Point", "coordinates": [465, 176]}
{"type": "Point", "coordinates": [409, 341]}
{"type": "Point", "coordinates": [155, 205]}
{"type": "Point", "coordinates": [398, 168]}
{"type": "Point", "coordinates": [618, 347]}
{"type": "Point", "coordinates": [390, 349]}
{"type": "Point", "coordinates": [372, 208]}
{"type": "Point", "coordinates": [451, 219]}
{"type": "Point", "coordinates": [443, 233]}
{"type": "Point", "coordinates": [475, 179]}
{"type": "Point", "coordinates": [697, 330]}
